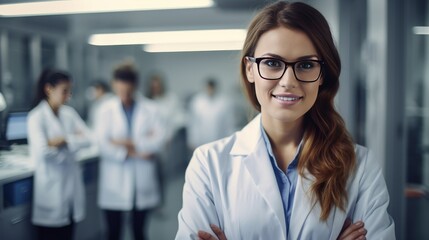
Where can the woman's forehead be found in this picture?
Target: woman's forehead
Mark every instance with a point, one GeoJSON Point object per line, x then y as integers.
{"type": "Point", "coordinates": [290, 44]}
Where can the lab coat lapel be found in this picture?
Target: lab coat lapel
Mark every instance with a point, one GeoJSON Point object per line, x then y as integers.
{"type": "Point", "coordinates": [53, 122]}
{"type": "Point", "coordinates": [303, 205]}
{"type": "Point", "coordinates": [250, 143]}
{"type": "Point", "coordinates": [119, 112]}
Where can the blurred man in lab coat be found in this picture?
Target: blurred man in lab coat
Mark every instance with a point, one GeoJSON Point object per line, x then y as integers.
{"type": "Point", "coordinates": [130, 133]}
{"type": "Point", "coordinates": [210, 117]}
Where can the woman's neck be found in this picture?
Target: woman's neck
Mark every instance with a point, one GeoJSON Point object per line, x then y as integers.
{"type": "Point", "coordinates": [55, 108]}
{"type": "Point", "coordinates": [128, 104]}
{"type": "Point", "coordinates": [284, 138]}
{"type": "Point", "coordinates": [283, 133]}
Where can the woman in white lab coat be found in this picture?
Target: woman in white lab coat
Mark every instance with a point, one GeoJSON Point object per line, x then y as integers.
{"type": "Point", "coordinates": [129, 133]}
{"type": "Point", "coordinates": [293, 172]}
{"type": "Point", "coordinates": [55, 133]}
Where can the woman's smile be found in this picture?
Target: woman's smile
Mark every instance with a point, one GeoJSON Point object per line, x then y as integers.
{"type": "Point", "coordinates": [287, 99]}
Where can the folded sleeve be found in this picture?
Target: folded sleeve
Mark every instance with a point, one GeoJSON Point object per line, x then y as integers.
{"type": "Point", "coordinates": [153, 140]}
{"type": "Point", "coordinates": [38, 142]}
{"type": "Point", "coordinates": [198, 210]}
{"type": "Point", "coordinates": [373, 200]}
{"type": "Point", "coordinates": [80, 136]}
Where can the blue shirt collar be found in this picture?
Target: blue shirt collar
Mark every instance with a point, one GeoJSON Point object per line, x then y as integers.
{"type": "Point", "coordinates": [294, 162]}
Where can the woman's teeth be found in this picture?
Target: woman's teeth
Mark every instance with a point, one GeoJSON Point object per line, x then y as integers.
{"type": "Point", "coordinates": [287, 98]}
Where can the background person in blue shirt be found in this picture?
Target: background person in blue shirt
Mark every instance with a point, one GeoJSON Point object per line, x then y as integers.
{"type": "Point", "coordinates": [129, 133]}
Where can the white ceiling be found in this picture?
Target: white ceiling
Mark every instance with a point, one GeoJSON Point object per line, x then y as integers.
{"type": "Point", "coordinates": [82, 25]}
{"type": "Point", "coordinates": [140, 21]}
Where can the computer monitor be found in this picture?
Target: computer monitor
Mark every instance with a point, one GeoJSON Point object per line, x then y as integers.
{"type": "Point", "coordinates": [16, 128]}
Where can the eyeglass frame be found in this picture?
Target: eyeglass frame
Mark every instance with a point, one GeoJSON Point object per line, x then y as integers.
{"type": "Point", "coordinates": [292, 64]}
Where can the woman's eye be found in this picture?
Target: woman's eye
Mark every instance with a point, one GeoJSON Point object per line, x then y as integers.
{"type": "Point", "coordinates": [273, 63]}
{"type": "Point", "coordinates": [305, 65]}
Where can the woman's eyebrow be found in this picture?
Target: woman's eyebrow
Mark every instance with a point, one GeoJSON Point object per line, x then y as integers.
{"type": "Point", "coordinates": [299, 58]}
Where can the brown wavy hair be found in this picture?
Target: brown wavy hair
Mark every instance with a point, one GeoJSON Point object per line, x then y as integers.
{"type": "Point", "coordinates": [328, 152]}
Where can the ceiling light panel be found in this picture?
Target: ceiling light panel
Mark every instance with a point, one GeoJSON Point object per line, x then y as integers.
{"type": "Point", "coordinates": [191, 36]}
{"type": "Point", "coordinates": [193, 47]}
{"type": "Point", "coordinates": [95, 6]}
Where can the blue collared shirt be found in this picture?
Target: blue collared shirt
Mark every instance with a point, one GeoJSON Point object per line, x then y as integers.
{"type": "Point", "coordinates": [129, 112]}
{"type": "Point", "coordinates": [286, 180]}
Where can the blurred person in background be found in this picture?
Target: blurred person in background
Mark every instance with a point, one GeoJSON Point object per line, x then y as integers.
{"type": "Point", "coordinates": [172, 112]}
{"type": "Point", "coordinates": [130, 133]}
{"type": "Point", "coordinates": [210, 116]}
{"type": "Point", "coordinates": [293, 172]}
{"type": "Point", "coordinates": [170, 106]}
{"type": "Point", "coordinates": [55, 133]}
{"type": "Point", "coordinates": [98, 93]}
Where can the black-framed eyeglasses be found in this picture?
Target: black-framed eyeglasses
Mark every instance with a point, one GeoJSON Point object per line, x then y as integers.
{"type": "Point", "coordinates": [270, 68]}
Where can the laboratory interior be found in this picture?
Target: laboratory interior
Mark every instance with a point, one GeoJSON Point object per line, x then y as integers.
{"type": "Point", "coordinates": [183, 57]}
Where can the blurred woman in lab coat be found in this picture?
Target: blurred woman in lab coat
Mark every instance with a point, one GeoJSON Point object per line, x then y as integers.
{"type": "Point", "coordinates": [130, 133]}
{"type": "Point", "coordinates": [293, 172]}
{"type": "Point", "coordinates": [55, 133]}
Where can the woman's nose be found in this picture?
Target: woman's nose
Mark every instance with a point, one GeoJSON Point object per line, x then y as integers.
{"type": "Point", "coordinates": [288, 80]}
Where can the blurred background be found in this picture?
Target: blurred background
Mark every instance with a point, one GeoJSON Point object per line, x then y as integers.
{"type": "Point", "coordinates": [384, 48]}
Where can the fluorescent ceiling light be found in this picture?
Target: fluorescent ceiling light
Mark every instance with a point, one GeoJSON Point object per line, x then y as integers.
{"type": "Point", "coordinates": [193, 47]}
{"type": "Point", "coordinates": [421, 30]}
{"type": "Point", "coordinates": [95, 6]}
{"type": "Point", "coordinates": [191, 36]}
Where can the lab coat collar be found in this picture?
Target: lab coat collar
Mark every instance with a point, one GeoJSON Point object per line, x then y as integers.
{"type": "Point", "coordinates": [248, 138]}
{"type": "Point", "coordinates": [250, 143]}
{"type": "Point", "coordinates": [46, 108]}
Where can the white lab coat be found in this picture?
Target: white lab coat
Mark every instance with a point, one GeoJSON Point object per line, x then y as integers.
{"type": "Point", "coordinates": [125, 181]}
{"type": "Point", "coordinates": [58, 185]}
{"type": "Point", "coordinates": [95, 106]}
{"type": "Point", "coordinates": [231, 183]}
{"type": "Point", "coordinates": [172, 112]}
{"type": "Point", "coordinates": [210, 118]}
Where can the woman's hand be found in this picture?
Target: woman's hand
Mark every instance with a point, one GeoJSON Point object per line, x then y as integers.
{"type": "Point", "coordinates": [207, 236]}
{"type": "Point", "coordinates": [128, 143]}
{"type": "Point", "coordinates": [355, 231]}
{"type": "Point", "coordinates": [57, 142]}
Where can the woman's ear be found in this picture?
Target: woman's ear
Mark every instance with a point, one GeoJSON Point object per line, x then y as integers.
{"type": "Point", "coordinates": [47, 89]}
{"type": "Point", "coordinates": [249, 70]}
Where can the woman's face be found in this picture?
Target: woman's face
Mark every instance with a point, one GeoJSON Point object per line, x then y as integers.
{"type": "Point", "coordinates": [59, 94]}
{"type": "Point", "coordinates": [287, 99]}
{"type": "Point", "coordinates": [156, 87]}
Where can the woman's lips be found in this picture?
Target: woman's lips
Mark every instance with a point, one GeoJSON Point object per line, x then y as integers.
{"type": "Point", "coordinates": [288, 99]}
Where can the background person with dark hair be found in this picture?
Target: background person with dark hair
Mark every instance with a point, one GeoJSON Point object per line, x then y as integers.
{"type": "Point", "coordinates": [130, 133]}
{"type": "Point", "coordinates": [55, 133]}
{"type": "Point", "coordinates": [98, 93]}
